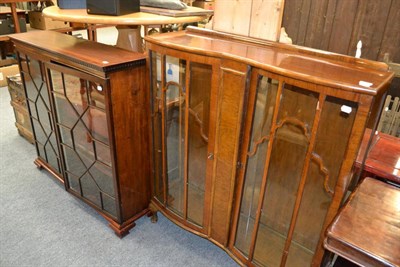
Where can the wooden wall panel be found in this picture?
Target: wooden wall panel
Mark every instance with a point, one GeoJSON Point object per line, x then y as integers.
{"type": "Point", "coordinates": [328, 25]}
{"type": "Point", "coordinates": [391, 37]}
{"type": "Point", "coordinates": [316, 23]}
{"type": "Point", "coordinates": [344, 17]}
{"type": "Point", "coordinates": [232, 16]}
{"type": "Point", "coordinates": [304, 13]}
{"type": "Point", "coordinates": [291, 21]}
{"type": "Point", "coordinates": [256, 18]}
{"type": "Point", "coordinates": [369, 26]}
{"type": "Point", "coordinates": [337, 25]}
{"type": "Point", "coordinates": [266, 17]}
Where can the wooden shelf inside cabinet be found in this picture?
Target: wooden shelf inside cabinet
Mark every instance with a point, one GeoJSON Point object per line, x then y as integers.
{"type": "Point", "coordinates": [270, 132]}
{"type": "Point", "coordinates": [92, 99]}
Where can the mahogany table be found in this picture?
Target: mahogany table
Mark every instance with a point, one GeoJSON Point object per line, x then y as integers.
{"type": "Point", "coordinates": [367, 229]}
{"type": "Point", "coordinates": [383, 159]}
{"type": "Point", "coordinates": [128, 26]}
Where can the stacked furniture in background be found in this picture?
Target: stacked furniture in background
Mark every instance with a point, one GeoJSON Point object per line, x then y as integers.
{"type": "Point", "coordinates": [18, 102]}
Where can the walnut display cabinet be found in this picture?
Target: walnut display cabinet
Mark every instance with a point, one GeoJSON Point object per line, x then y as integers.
{"type": "Point", "coordinates": [254, 141]}
{"type": "Point", "coordinates": [88, 106]}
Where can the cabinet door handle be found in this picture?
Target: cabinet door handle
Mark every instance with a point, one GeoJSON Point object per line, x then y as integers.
{"type": "Point", "coordinates": [99, 88]}
{"type": "Point", "coordinates": [210, 155]}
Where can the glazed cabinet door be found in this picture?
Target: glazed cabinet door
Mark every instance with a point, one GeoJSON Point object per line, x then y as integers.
{"type": "Point", "coordinates": [80, 111]}
{"type": "Point", "coordinates": [182, 99]}
{"type": "Point", "coordinates": [295, 141]}
{"type": "Point", "coordinates": [34, 79]}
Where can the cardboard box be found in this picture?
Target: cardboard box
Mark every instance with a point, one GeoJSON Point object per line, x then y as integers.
{"type": "Point", "coordinates": [38, 21]}
{"type": "Point", "coordinates": [8, 67]}
{"type": "Point", "coordinates": [204, 4]}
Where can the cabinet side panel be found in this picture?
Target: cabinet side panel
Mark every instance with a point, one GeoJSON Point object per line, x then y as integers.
{"type": "Point", "coordinates": [233, 83]}
{"type": "Point", "coordinates": [130, 110]}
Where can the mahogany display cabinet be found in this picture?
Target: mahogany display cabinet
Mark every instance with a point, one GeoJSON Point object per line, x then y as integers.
{"type": "Point", "coordinates": [88, 106]}
{"type": "Point", "coordinates": [253, 142]}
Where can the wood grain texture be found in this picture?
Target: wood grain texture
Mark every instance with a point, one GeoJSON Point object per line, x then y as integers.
{"type": "Point", "coordinates": [369, 27]}
{"type": "Point", "coordinates": [129, 95]}
{"type": "Point", "coordinates": [285, 60]}
{"type": "Point", "coordinates": [233, 84]}
{"type": "Point", "coordinates": [328, 16]}
{"type": "Point", "coordinates": [291, 18]}
{"type": "Point", "coordinates": [303, 21]}
{"type": "Point", "coordinates": [316, 23]}
{"type": "Point", "coordinates": [383, 157]}
{"type": "Point", "coordinates": [87, 56]}
{"type": "Point", "coordinates": [138, 18]}
{"type": "Point", "coordinates": [391, 37]}
{"type": "Point", "coordinates": [266, 17]}
{"type": "Point", "coordinates": [337, 25]}
{"type": "Point", "coordinates": [345, 14]}
{"type": "Point", "coordinates": [232, 16]}
{"type": "Point", "coordinates": [112, 97]}
{"type": "Point", "coordinates": [309, 191]}
{"type": "Point", "coordinates": [366, 230]}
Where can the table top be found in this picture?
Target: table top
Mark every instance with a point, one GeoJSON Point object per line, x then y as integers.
{"type": "Point", "coordinates": [367, 229]}
{"type": "Point", "coordinates": [383, 159]}
{"type": "Point", "coordinates": [139, 18]}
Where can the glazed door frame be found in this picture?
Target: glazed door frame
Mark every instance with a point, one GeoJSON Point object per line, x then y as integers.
{"type": "Point", "coordinates": [25, 55]}
{"type": "Point", "coordinates": [105, 91]}
{"type": "Point", "coordinates": [355, 137]}
{"type": "Point", "coordinates": [214, 86]}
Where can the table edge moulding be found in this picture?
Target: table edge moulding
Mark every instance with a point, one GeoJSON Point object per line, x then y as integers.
{"type": "Point", "coordinates": [128, 26]}
{"type": "Point", "coordinates": [86, 99]}
{"type": "Point", "coordinates": [342, 92]}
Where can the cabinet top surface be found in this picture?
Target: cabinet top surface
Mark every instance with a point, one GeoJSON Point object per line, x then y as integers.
{"type": "Point", "coordinates": [67, 47]}
{"type": "Point", "coordinates": [307, 64]}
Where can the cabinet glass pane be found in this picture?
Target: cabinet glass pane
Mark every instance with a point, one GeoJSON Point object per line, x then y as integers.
{"type": "Point", "coordinates": [82, 124]}
{"type": "Point", "coordinates": [174, 126]}
{"type": "Point", "coordinates": [157, 125]}
{"type": "Point", "coordinates": [289, 148]}
{"type": "Point", "coordinates": [199, 113]}
{"type": "Point", "coordinates": [332, 138]}
{"type": "Point", "coordinates": [256, 155]}
{"type": "Point", "coordinates": [39, 107]}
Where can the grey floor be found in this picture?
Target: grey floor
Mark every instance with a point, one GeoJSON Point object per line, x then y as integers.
{"type": "Point", "coordinates": [43, 225]}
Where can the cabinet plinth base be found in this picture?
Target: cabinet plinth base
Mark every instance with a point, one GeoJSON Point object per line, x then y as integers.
{"type": "Point", "coordinates": [40, 164]}
{"type": "Point", "coordinates": [122, 230]}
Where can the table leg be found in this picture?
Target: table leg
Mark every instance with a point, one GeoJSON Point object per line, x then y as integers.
{"type": "Point", "coordinates": [15, 18]}
{"type": "Point", "coordinates": [92, 32]}
{"type": "Point", "coordinates": [129, 38]}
